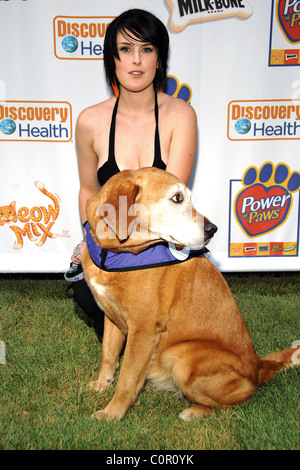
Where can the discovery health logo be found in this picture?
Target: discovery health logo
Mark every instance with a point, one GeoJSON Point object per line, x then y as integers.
{"type": "Point", "coordinates": [264, 120]}
{"type": "Point", "coordinates": [80, 37]}
{"type": "Point", "coordinates": [35, 121]}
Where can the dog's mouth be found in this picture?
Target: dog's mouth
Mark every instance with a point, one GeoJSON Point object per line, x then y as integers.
{"type": "Point", "coordinates": [178, 247]}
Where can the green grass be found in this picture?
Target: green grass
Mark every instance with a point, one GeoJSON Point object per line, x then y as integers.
{"type": "Point", "coordinates": [52, 353]}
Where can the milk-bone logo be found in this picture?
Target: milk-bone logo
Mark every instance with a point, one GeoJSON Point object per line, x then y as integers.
{"type": "Point", "coordinates": [185, 12]}
{"type": "Point", "coordinates": [35, 121]}
{"type": "Point", "coordinates": [288, 17]}
{"type": "Point", "coordinates": [264, 120]}
{"type": "Point", "coordinates": [80, 37]}
{"type": "Point", "coordinates": [266, 199]}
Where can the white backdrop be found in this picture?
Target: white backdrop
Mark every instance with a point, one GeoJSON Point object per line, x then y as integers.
{"type": "Point", "coordinates": [236, 61]}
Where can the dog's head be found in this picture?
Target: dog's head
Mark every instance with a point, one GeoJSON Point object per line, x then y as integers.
{"type": "Point", "coordinates": [136, 208]}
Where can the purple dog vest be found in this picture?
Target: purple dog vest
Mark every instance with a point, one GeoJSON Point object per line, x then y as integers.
{"type": "Point", "coordinates": [158, 255]}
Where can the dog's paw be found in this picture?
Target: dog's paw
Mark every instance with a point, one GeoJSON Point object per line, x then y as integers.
{"type": "Point", "coordinates": [103, 415]}
{"type": "Point", "coordinates": [100, 415]}
{"type": "Point", "coordinates": [195, 412]}
{"type": "Point", "coordinates": [100, 385]}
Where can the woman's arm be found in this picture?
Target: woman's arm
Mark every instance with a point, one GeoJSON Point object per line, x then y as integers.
{"type": "Point", "coordinates": [87, 161]}
{"type": "Point", "coordinates": [87, 166]}
{"type": "Point", "coordinates": [184, 141]}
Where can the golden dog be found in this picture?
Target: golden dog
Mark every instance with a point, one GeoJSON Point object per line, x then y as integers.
{"type": "Point", "coordinates": [184, 330]}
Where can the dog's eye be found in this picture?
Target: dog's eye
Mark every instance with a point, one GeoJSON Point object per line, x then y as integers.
{"type": "Point", "coordinates": [178, 198]}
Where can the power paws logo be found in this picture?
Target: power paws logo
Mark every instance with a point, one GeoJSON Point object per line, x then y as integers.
{"type": "Point", "coordinates": [265, 202]}
{"type": "Point", "coordinates": [261, 206]}
{"type": "Point", "coordinates": [285, 33]}
{"type": "Point", "coordinates": [288, 17]}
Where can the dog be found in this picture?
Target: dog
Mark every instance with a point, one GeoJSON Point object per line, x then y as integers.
{"type": "Point", "coordinates": [183, 329]}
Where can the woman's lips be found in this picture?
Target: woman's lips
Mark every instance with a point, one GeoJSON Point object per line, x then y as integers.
{"type": "Point", "coordinates": [136, 73]}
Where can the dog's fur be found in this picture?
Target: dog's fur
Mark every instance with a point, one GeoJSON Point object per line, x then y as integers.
{"type": "Point", "coordinates": [184, 330]}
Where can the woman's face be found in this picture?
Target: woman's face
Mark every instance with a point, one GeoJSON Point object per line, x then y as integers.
{"type": "Point", "coordinates": [137, 65]}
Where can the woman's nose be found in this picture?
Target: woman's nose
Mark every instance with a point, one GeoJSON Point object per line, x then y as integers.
{"type": "Point", "coordinates": [136, 57]}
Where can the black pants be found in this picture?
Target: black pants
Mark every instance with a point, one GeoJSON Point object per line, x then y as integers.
{"type": "Point", "coordinates": [86, 301]}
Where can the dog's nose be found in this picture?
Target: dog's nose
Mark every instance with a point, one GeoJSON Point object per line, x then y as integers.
{"type": "Point", "coordinates": [210, 229]}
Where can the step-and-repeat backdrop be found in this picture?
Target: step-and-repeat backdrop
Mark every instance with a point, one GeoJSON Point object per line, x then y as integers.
{"type": "Point", "coordinates": [237, 63]}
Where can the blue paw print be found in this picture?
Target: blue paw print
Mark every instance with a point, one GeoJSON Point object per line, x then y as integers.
{"type": "Point", "coordinates": [281, 175]}
{"type": "Point", "coordinates": [172, 88]}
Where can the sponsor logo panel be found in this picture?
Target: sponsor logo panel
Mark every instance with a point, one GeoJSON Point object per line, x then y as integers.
{"type": "Point", "coordinates": [185, 12]}
{"type": "Point", "coordinates": [261, 204]}
{"type": "Point", "coordinates": [35, 223]}
{"type": "Point", "coordinates": [264, 120]}
{"type": "Point", "coordinates": [35, 121]}
{"type": "Point", "coordinates": [80, 37]}
{"type": "Point", "coordinates": [285, 33]}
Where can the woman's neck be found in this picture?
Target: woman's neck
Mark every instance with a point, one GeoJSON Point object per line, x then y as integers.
{"type": "Point", "coordinates": [137, 102]}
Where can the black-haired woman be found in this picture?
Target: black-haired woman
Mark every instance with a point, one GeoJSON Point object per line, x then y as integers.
{"type": "Point", "coordinates": [140, 126]}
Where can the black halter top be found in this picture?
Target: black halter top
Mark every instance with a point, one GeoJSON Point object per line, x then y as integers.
{"type": "Point", "coordinates": [110, 167]}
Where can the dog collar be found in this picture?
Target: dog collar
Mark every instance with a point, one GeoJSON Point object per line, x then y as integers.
{"type": "Point", "coordinates": [156, 256]}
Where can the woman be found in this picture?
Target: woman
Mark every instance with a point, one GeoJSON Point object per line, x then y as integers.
{"type": "Point", "coordinates": [138, 127]}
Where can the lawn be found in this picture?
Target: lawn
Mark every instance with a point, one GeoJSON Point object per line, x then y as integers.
{"type": "Point", "coordinates": [52, 353]}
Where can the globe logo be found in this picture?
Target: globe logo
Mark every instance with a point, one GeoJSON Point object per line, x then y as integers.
{"type": "Point", "coordinates": [242, 125]}
{"type": "Point", "coordinates": [69, 43]}
{"type": "Point", "coordinates": [7, 126]}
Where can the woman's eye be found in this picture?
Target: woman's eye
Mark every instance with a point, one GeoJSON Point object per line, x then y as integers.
{"type": "Point", "coordinates": [178, 198]}
{"type": "Point", "coordinates": [124, 49]}
{"type": "Point", "coordinates": [147, 49]}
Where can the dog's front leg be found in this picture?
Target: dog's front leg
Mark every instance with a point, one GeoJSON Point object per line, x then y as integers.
{"type": "Point", "coordinates": [113, 340]}
{"type": "Point", "coordinates": [140, 346]}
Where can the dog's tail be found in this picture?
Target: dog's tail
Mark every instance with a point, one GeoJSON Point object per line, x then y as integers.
{"type": "Point", "coordinates": [277, 361]}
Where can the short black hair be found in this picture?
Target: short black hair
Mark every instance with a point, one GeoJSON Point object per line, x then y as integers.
{"type": "Point", "coordinates": [145, 27]}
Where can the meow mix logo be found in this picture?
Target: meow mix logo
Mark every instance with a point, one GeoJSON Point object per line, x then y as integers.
{"type": "Point", "coordinates": [185, 12]}
{"type": "Point", "coordinates": [263, 205]}
{"type": "Point", "coordinates": [288, 17]}
{"type": "Point", "coordinates": [35, 223]}
{"type": "Point", "coordinates": [264, 120]}
{"type": "Point", "coordinates": [35, 121]}
{"type": "Point", "coordinates": [80, 37]}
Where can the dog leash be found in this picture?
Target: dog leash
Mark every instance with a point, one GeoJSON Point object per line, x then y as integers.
{"type": "Point", "coordinates": [74, 273]}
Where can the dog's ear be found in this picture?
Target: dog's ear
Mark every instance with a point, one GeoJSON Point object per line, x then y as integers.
{"type": "Point", "coordinates": [121, 199]}
{"type": "Point", "coordinates": [107, 212]}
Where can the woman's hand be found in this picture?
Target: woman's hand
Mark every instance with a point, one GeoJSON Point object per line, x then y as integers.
{"type": "Point", "coordinates": [78, 253]}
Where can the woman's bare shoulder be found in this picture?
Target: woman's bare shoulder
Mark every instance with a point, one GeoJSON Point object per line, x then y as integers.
{"type": "Point", "coordinates": [90, 116]}
{"type": "Point", "coordinates": [176, 106]}
{"type": "Point", "coordinates": [177, 110]}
